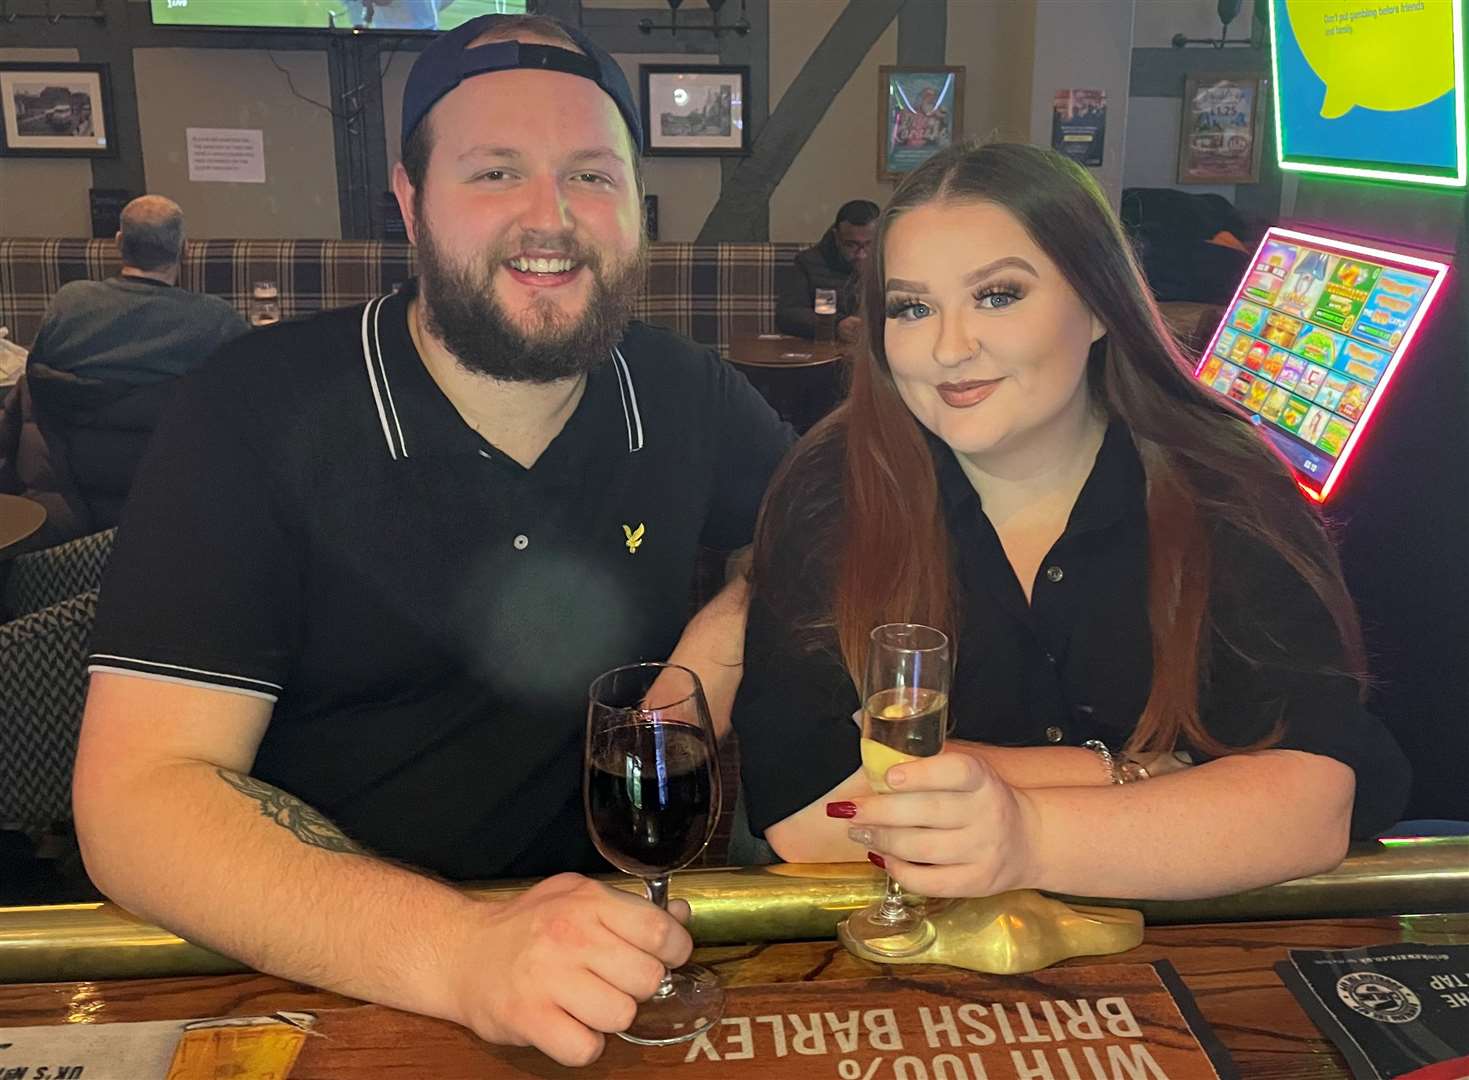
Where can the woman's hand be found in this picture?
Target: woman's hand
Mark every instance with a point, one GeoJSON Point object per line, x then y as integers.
{"type": "Point", "coordinates": [951, 827]}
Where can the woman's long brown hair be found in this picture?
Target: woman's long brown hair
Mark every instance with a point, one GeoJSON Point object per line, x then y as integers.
{"type": "Point", "coordinates": [1206, 466]}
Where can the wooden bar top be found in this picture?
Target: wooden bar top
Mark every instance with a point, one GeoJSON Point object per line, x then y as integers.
{"type": "Point", "coordinates": [1227, 966]}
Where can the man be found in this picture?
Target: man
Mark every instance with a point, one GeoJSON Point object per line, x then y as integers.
{"type": "Point", "coordinates": [104, 363]}
{"type": "Point", "coordinates": [376, 558]}
{"type": "Point", "coordinates": [835, 263]}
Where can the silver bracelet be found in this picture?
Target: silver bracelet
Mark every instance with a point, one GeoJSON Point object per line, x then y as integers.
{"type": "Point", "coordinates": [1119, 769]}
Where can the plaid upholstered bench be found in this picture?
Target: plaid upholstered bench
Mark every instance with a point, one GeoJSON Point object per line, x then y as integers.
{"type": "Point", "coordinates": [709, 292]}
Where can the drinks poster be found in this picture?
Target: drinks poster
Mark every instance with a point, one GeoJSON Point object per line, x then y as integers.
{"type": "Point", "coordinates": [1079, 124]}
{"type": "Point", "coordinates": [1219, 142]}
{"type": "Point", "coordinates": [921, 111]}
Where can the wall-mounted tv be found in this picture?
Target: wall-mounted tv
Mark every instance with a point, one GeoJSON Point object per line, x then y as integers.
{"type": "Point", "coordinates": [1312, 338]}
{"type": "Point", "coordinates": [1372, 89]}
{"type": "Point", "coordinates": [396, 16]}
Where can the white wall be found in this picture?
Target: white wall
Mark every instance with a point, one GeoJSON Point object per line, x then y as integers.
{"type": "Point", "coordinates": [44, 196]}
{"type": "Point", "coordinates": [1084, 44]}
{"type": "Point", "coordinates": [839, 161]}
{"type": "Point", "coordinates": [995, 43]}
{"type": "Point", "coordinates": [1158, 20]}
{"type": "Point", "coordinates": [233, 88]}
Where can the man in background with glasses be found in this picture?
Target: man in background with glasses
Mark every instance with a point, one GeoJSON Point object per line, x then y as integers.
{"type": "Point", "coordinates": [377, 557]}
{"type": "Point", "coordinates": [835, 263]}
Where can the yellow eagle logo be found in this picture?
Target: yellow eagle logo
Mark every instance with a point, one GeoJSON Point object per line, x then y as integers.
{"type": "Point", "coordinates": [634, 536]}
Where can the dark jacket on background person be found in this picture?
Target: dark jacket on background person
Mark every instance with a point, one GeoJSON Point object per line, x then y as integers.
{"type": "Point", "coordinates": [72, 444]}
{"type": "Point", "coordinates": [104, 363]}
{"type": "Point", "coordinates": [819, 267]}
{"type": "Point", "coordinates": [132, 330]}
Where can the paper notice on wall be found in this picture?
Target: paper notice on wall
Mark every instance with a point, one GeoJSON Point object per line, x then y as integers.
{"type": "Point", "coordinates": [226, 155]}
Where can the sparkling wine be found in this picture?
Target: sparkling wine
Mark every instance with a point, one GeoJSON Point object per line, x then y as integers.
{"type": "Point", "coordinates": [901, 725]}
{"type": "Point", "coordinates": [650, 795]}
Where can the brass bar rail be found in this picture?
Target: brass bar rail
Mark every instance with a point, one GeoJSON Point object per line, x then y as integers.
{"type": "Point", "coordinates": [71, 942]}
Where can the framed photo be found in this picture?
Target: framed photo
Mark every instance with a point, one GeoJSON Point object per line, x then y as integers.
{"type": "Point", "coordinates": [1219, 136]}
{"type": "Point", "coordinates": [55, 110]}
{"type": "Point", "coordinates": [920, 111]}
{"type": "Point", "coordinates": [695, 110]}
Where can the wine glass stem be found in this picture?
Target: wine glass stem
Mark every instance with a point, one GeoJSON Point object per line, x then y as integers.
{"type": "Point", "coordinates": [893, 909]}
{"type": "Point", "coordinates": [656, 889]}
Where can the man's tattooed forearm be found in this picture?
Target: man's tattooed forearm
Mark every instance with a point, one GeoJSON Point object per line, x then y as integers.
{"type": "Point", "coordinates": [290, 813]}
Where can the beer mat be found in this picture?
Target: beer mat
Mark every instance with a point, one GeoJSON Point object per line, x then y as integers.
{"type": "Point", "coordinates": [1104, 1022]}
{"type": "Point", "coordinates": [258, 1047]}
{"type": "Point", "coordinates": [1392, 1010]}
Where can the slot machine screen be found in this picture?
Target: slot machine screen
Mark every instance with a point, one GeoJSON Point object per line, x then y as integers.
{"type": "Point", "coordinates": [1311, 340]}
{"type": "Point", "coordinates": [1370, 89]}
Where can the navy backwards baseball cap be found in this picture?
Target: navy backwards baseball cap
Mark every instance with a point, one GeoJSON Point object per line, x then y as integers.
{"type": "Point", "coordinates": [449, 61]}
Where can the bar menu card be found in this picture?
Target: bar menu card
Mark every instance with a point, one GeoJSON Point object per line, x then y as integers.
{"type": "Point", "coordinates": [1392, 1010]}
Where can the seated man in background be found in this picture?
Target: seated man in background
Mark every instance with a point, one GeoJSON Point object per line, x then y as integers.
{"type": "Point", "coordinates": [105, 360]}
{"type": "Point", "coordinates": [374, 559]}
{"type": "Point", "coordinates": [834, 263]}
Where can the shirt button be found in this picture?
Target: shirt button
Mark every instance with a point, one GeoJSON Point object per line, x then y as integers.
{"type": "Point", "coordinates": [1054, 734]}
{"type": "Point", "coordinates": [1054, 574]}
{"type": "Point", "coordinates": [521, 542]}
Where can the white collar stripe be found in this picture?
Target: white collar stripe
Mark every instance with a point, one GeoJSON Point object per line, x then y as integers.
{"type": "Point", "coordinates": [387, 387]}
{"type": "Point", "coordinates": [179, 667]}
{"type": "Point", "coordinates": [630, 414]}
{"type": "Point", "coordinates": [378, 379]}
{"type": "Point", "coordinates": [372, 381]}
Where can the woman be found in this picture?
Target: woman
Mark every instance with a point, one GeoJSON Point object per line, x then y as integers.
{"type": "Point", "coordinates": [1025, 462]}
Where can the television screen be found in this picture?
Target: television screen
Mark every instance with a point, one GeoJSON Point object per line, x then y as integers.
{"type": "Point", "coordinates": [390, 15]}
{"type": "Point", "coordinates": [1373, 89]}
{"type": "Point", "coordinates": [1311, 340]}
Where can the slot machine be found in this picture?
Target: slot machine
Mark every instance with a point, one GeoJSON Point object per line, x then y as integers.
{"type": "Point", "coordinates": [1346, 343]}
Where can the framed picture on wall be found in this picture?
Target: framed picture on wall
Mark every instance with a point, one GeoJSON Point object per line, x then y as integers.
{"type": "Point", "coordinates": [696, 110]}
{"type": "Point", "coordinates": [920, 111]}
{"type": "Point", "coordinates": [55, 110]}
{"type": "Point", "coordinates": [1219, 134]}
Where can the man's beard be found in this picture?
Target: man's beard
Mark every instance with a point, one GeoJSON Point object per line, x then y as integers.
{"type": "Point", "coordinates": [460, 309]}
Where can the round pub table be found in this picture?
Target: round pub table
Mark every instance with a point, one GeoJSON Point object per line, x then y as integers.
{"type": "Point", "coordinates": [803, 380]}
{"type": "Point", "coordinates": [19, 518]}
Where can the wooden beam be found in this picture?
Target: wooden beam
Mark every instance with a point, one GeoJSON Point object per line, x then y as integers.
{"type": "Point", "coordinates": [745, 200]}
{"type": "Point", "coordinates": [923, 31]}
{"type": "Point", "coordinates": [752, 51]}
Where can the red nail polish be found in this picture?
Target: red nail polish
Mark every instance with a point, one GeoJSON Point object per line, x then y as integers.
{"type": "Point", "coordinates": [841, 809]}
{"type": "Point", "coordinates": [876, 860]}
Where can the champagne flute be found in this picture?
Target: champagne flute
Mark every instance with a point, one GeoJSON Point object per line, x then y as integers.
{"type": "Point", "coordinates": [904, 717]}
{"type": "Point", "coordinates": [652, 798]}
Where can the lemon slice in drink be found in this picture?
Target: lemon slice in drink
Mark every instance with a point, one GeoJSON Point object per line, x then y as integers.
{"type": "Point", "coordinates": [877, 759]}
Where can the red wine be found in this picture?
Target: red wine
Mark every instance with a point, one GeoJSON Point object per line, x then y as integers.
{"type": "Point", "coordinates": [650, 796]}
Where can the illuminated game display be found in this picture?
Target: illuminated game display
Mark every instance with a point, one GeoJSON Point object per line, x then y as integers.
{"type": "Point", "coordinates": [391, 15]}
{"type": "Point", "coordinates": [1311, 340]}
{"type": "Point", "coordinates": [1370, 88]}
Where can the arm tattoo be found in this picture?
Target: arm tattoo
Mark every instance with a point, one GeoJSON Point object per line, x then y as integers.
{"type": "Point", "coordinates": [290, 813]}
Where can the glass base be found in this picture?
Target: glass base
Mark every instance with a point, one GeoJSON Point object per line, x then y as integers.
{"type": "Point", "coordinates": [871, 937]}
{"type": "Point", "coordinates": [693, 1005]}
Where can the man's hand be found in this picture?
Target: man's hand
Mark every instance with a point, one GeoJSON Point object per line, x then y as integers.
{"type": "Point", "coordinates": [850, 328]}
{"type": "Point", "coordinates": [564, 963]}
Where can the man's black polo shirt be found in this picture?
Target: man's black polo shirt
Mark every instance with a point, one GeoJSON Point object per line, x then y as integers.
{"type": "Point", "coordinates": [1074, 664]}
{"type": "Point", "coordinates": [315, 524]}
